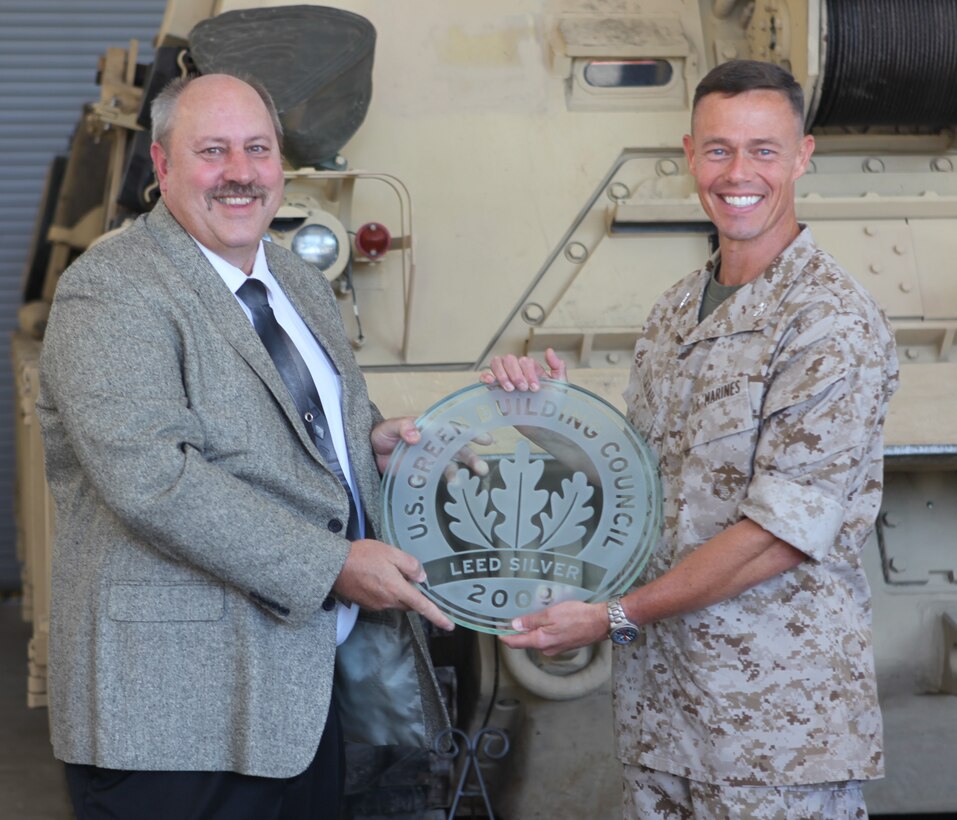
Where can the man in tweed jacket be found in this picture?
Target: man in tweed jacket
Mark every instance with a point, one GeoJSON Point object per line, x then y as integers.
{"type": "Point", "coordinates": [200, 569]}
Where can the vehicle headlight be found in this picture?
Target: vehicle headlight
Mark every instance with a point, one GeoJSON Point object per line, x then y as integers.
{"type": "Point", "coordinates": [313, 234]}
{"type": "Point", "coordinates": [317, 245]}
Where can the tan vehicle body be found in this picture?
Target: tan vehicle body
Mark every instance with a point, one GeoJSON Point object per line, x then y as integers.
{"type": "Point", "coordinates": [528, 208]}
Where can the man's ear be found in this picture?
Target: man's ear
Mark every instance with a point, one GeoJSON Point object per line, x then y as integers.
{"type": "Point", "coordinates": [160, 164]}
{"type": "Point", "coordinates": [687, 142]}
{"type": "Point", "coordinates": [805, 150]}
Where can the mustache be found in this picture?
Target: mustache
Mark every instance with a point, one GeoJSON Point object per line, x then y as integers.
{"type": "Point", "coordinates": [236, 189]}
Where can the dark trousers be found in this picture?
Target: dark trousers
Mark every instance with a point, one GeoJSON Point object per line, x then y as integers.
{"type": "Point", "coordinates": [110, 794]}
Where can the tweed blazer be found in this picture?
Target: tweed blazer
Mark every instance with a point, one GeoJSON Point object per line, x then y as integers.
{"type": "Point", "coordinates": [198, 530]}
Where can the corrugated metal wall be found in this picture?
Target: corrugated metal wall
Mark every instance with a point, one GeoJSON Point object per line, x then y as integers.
{"type": "Point", "coordinates": [48, 61]}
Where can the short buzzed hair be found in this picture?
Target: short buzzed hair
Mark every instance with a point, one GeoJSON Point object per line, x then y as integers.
{"type": "Point", "coordinates": [164, 105]}
{"type": "Point", "coordinates": [737, 76]}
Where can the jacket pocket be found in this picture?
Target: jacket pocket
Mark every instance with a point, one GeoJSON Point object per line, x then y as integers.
{"type": "Point", "coordinates": [144, 602]}
{"type": "Point", "coordinates": [728, 416]}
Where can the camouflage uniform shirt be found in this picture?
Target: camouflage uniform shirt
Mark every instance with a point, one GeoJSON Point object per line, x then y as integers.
{"type": "Point", "coordinates": [772, 409]}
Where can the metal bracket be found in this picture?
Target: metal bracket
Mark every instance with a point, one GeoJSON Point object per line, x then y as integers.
{"type": "Point", "coordinates": [452, 742]}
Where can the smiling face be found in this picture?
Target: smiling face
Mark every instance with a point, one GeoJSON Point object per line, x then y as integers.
{"type": "Point", "coordinates": [745, 152]}
{"type": "Point", "coordinates": [221, 170]}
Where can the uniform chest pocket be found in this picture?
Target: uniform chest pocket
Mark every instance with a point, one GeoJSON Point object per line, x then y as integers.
{"type": "Point", "coordinates": [723, 416]}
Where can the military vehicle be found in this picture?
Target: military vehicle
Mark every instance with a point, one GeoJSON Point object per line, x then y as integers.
{"type": "Point", "coordinates": [516, 182]}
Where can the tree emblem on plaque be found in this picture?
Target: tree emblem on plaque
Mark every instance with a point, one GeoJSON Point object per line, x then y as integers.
{"type": "Point", "coordinates": [517, 516]}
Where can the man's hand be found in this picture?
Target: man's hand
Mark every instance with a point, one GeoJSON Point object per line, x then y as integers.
{"type": "Point", "coordinates": [560, 628]}
{"type": "Point", "coordinates": [514, 373]}
{"type": "Point", "coordinates": [378, 576]}
{"type": "Point", "coordinates": [386, 435]}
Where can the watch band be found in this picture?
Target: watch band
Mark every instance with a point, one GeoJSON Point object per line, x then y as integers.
{"type": "Point", "coordinates": [620, 629]}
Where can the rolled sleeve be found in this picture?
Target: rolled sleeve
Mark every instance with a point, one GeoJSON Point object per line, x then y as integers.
{"type": "Point", "coordinates": [821, 425]}
{"type": "Point", "coordinates": [800, 515]}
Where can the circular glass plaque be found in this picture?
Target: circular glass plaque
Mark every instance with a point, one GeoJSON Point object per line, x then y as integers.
{"type": "Point", "coordinates": [565, 504]}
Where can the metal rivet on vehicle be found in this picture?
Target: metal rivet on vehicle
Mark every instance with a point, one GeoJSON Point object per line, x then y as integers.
{"type": "Point", "coordinates": [618, 192]}
{"type": "Point", "coordinates": [666, 167]}
{"type": "Point", "coordinates": [576, 252]}
{"type": "Point", "coordinates": [533, 313]}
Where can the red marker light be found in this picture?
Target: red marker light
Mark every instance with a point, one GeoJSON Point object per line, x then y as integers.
{"type": "Point", "coordinates": [373, 240]}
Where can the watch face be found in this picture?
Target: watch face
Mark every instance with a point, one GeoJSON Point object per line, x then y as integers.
{"type": "Point", "coordinates": [624, 635]}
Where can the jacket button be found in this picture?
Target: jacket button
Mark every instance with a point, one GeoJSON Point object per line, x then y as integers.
{"type": "Point", "coordinates": [329, 604]}
{"type": "Point", "coordinates": [335, 525]}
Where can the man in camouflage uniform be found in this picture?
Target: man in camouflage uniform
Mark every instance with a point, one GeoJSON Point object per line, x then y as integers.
{"type": "Point", "coordinates": [762, 383]}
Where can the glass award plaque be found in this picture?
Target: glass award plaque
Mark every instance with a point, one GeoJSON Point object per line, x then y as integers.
{"type": "Point", "coordinates": [565, 503]}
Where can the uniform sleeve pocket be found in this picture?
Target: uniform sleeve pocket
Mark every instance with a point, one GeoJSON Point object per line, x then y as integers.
{"type": "Point", "coordinates": [131, 601]}
{"type": "Point", "coordinates": [724, 415]}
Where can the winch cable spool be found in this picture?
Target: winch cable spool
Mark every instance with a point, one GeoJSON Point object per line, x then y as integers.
{"type": "Point", "coordinates": [889, 63]}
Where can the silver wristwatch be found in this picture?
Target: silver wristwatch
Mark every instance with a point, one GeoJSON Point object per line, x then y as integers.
{"type": "Point", "coordinates": [620, 630]}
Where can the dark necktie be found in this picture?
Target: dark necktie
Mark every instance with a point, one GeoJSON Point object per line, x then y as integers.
{"type": "Point", "coordinates": [292, 368]}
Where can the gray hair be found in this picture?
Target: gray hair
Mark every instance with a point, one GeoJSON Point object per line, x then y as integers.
{"type": "Point", "coordinates": [163, 108]}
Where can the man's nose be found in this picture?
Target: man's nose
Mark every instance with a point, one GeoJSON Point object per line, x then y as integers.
{"type": "Point", "coordinates": [240, 167]}
{"type": "Point", "coordinates": [740, 167]}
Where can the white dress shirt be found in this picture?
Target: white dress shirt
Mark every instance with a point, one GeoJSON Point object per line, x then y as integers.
{"type": "Point", "coordinates": [324, 374]}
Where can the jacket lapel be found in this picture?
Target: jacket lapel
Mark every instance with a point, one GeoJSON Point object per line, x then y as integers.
{"type": "Point", "coordinates": [313, 299]}
{"type": "Point", "coordinates": [311, 296]}
{"type": "Point", "coordinates": [198, 277]}
{"type": "Point", "coordinates": [304, 289]}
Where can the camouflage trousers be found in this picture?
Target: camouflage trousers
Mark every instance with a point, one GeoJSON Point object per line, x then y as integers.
{"type": "Point", "coordinates": [653, 794]}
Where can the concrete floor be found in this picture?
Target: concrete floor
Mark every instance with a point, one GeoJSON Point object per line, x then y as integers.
{"type": "Point", "coordinates": [32, 785]}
